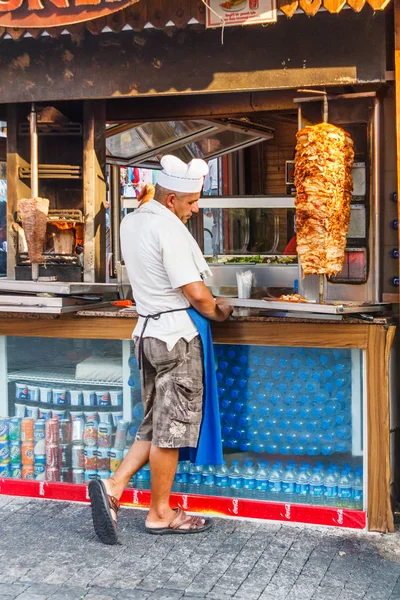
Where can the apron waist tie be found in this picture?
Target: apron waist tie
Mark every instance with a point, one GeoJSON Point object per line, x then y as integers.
{"type": "Point", "coordinates": [146, 318]}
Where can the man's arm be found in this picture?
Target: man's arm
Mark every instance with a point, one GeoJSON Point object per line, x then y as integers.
{"type": "Point", "coordinates": [200, 297]}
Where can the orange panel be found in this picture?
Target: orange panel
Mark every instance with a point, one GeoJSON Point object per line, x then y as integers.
{"type": "Point", "coordinates": [310, 7]}
{"type": "Point", "coordinates": [288, 7]}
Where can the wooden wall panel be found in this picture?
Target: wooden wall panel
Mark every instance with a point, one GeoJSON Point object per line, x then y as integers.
{"type": "Point", "coordinates": [380, 515]}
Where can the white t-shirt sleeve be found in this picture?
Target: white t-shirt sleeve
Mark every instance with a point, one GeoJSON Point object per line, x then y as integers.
{"type": "Point", "coordinates": [178, 259]}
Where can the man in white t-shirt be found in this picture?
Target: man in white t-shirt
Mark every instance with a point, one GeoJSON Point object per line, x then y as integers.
{"type": "Point", "coordinates": [165, 268]}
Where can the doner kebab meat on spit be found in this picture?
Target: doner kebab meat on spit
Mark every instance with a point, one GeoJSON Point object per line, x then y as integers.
{"type": "Point", "coordinates": [323, 180]}
{"type": "Point", "coordinates": [34, 213]}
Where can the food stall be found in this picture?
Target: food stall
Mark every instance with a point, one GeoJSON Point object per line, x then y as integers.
{"type": "Point", "coordinates": [305, 389]}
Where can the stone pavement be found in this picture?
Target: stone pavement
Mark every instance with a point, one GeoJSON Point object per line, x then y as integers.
{"type": "Point", "coordinates": [49, 551]}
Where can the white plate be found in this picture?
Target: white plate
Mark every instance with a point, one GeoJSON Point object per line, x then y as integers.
{"type": "Point", "coordinates": [236, 8]}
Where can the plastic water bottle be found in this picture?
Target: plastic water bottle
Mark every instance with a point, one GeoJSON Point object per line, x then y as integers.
{"type": "Point", "coordinates": [248, 478]}
{"type": "Point", "coordinates": [345, 491]}
{"type": "Point", "coordinates": [207, 476]}
{"type": "Point", "coordinates": [357, 493]}
{"type": "Point", "coordinates": [317, 486]}
{"type": "Point", "coordinates": [331, 487]}
{"type": "Point", "coordinates": [235, 478]}
{"type": "Point", "coordinates": [182, 475]}
{"type": "Point", "coordinates": [262, 480]}
{"type": "Point", "coordinates": [138, 411]}
{"type": "Point", "coordinates": [221, 480]}
{"type": "Point", "coordinates": [289, 483]}
{"type": "Point", "coordinates": [303, 485]}
{"type": "Point", "coordinates": [194, 478]}
{"type": "Point", "coordinates": [275, 482]}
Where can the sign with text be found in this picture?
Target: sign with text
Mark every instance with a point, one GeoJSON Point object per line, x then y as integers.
{"type": "Point", "coordinates": [240, 12]}
{"type": "Point", "coordinates": [56, 13]}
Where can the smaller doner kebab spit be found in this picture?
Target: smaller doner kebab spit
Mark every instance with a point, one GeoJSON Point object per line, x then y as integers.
{"type": "Point", "coordinates": [34, 210]}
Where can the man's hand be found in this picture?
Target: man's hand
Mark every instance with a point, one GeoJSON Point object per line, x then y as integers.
{"type": "Point", "coordinates": [200, 297]}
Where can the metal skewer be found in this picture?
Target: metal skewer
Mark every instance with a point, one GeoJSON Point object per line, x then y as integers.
{"type": "Point", "coordinates": [34, 172]}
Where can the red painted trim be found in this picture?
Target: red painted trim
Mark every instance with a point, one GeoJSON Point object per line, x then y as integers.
{"type": "Point", "coordinates": [231, 507]}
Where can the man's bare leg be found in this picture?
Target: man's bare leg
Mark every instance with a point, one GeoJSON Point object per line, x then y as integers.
{"type": "Point", "coordinates": [163, 463]}
{"type": "Point", "coordinates": [136, 458]}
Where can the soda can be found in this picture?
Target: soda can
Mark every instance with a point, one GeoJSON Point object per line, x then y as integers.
{"type": "Point", "coordinates": [66, 475]}
{"type": "Point", "coordinates": [40, 459]}
{"type": "Point", "coordinates": [16, 471]}
{"type": "Point", "coordinates": [59, 396]}
{"type": "Point", "coordinates": [104, 474]}
{"type": "Point", "coordinates": [33, 393]}
{"type": "Point", "coordinates": [78, 425]}
{"type": "Point", "coordinates": [103, 398]}
{"type": "Point", "coordinates": [116, 457]}
{"type": "Point", "coordinates": [78, 457]}
{"type": "Point", "coordinates": [89, 475]}
{"type": "Point", "coordinates": [65, 431]}
{"type": "Point", "coordinates": [116, 397]}
{"type": "Point", "coordinates": [52, 455]}
{"type": "Point", "coordinates": [103, 459]}
{"type": "Point", "coordinates": [5, 470]}
{"type": "Point", "coordinates": [46, 395]}
{"type": "Point", "coordinates": [90, 458]}
{"type": "Point", "coordinates": [117, 417]}
{"type": "Point", "coordinates": [105, 417]}
{"type": "Point", "coordinates": [38, 469]}
{"type": "Point", "coordinates": [21, 391]}
{"type": "Point", "coordinates": [32, 412]}
{"type": "Point", "coordinates": [14, 429]}
{"type": "Point", "coordinates": [58, 414]}
{"type": "Point", "coordinates": [120, 434]}
{"type": "Point", "coordinates": [75, 397]}
{"type": "Point", "coordinates": [15, 453]}
{"type": "Point", "coordinates": [28, 472]}
{"type": "Point", "coordinates": [64, 456]}
{"type": "Point", "coordinates": [27, 430]}
{"type": "Point", "coordinates": [52, 474]}
{"type": "Point", "coordinates": [39, 430]}
{"type": "Point", "coordinates": [104, 435]}
{"type": "Point", "coordinates": [52, 431]}
{"type": "Point", "coordinates": [45, 413]}
{"type": "Point", "coordinates": [4, 429]}
{"type": "Point", "coordinates": [90, 433]}
{"type": "Point", "coordinates": [253, 4]}
{"type": "Point", "coordinates": [89, 397]}
{"type": "Point", "coordinates": [78, 476]}
{"type": "Point", "coordinates": [4, 452]}
{"type": "Point", "coordinates": [27, 454]}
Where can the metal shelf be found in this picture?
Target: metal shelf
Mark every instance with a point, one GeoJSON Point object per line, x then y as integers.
{"type": "Point", "coordinates": [57, 376]}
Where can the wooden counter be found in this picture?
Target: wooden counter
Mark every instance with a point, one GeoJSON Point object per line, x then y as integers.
{"type": "Point", "coordinates": [375, 338]}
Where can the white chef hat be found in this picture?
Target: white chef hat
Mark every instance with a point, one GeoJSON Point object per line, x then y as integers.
{"type": "Point", "coordinates": [178, 176]}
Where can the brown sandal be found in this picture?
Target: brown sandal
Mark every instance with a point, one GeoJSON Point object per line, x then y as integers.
{"type": "Point", "coordinates": [102, 504]}
{"type": "Point", "coordinates": [194, 525]}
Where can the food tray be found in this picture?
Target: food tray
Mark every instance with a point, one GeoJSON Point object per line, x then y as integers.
{"type": "Point", "coordinates": [306, 307]}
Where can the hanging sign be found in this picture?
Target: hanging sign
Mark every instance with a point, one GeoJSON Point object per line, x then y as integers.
{"type": "Point", "coordinates": [240, 12]}
{"type": "Point", "coordinates": [56, 13]}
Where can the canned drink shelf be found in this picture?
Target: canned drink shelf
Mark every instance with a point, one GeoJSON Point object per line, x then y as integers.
{"type": "Point", "coordinates": [64, 376]}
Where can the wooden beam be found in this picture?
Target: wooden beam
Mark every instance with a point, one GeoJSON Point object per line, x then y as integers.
{"type": "Point", "coordinates": [380, 514]}
{"type": "Point", "coordinates": [94, 190]}
{"type": "Point", "coordinates": [290, 54]}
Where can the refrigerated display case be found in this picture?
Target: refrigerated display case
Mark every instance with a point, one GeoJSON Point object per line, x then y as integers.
{"type": "Point", "coordinates": [292, 419]}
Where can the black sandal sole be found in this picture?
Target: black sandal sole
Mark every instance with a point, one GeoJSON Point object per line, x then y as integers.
{"type": "Point", "coordinates": [167, 531]}
{"type": "Point", "coordinates": [103, 522]}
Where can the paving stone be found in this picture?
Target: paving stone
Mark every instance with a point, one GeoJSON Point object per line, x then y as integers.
{"type": "Point", "coordinates": [166, 595]}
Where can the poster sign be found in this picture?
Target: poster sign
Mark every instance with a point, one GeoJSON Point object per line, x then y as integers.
{"type": "Point", "coordinates": [56, 13]}
{"type": "Point", "coordinates": [240, 12]}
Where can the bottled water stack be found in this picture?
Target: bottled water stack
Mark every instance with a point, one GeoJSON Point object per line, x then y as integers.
{"type": "Point", "coordinates": [290, 401]}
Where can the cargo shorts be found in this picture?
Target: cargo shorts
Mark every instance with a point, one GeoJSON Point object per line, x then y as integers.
{"type": "Point", "coordinates": [172, 392]}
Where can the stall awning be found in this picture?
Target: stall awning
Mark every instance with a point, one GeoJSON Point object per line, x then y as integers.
{"type": "Point", "coordinates": [180, 14]}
